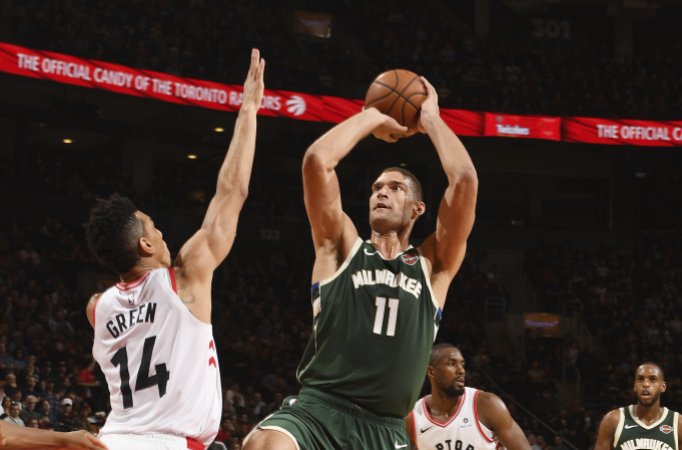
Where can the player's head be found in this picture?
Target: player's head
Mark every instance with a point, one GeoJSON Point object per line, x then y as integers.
{"type": "Point", "coordinates": [446, 371]}
{"type": "Point", "coordinates": [396, 201]}
{"type": "Point", "coordinates": [649, 383]}
{"type": "Point", "coordinates": [120, 236]}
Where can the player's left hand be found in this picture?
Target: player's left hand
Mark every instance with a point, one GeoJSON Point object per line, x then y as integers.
{"type": "Point", "coordinates": [254, 85]}
{"type": "Point", "coordinates": [429, 109]}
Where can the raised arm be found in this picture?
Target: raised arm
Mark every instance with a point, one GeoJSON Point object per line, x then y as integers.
{"type": "Point", "coordinates": [607, 431]}
{"type": "Point", "coordinates": [209, 246]}
{"type": "Point", "coordinates": [17, 437]}
{"type": "Point", "coordinates": [445, 248]}
{"type": "Point", "coordinates": [332, 230]}
{"type": "Point", "coordinates": [494, 414]}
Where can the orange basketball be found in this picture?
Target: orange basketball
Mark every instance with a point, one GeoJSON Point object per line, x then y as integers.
{"type": "Point", "coordinates": [398, 93]}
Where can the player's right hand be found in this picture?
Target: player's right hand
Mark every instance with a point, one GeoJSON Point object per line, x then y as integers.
{"type": "Point", "coordinates": [81, 439]}
{"type": "Point", "coordinates": [389, 129]}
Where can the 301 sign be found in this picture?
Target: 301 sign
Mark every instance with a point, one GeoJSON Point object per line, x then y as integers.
{"type": "Point", "coordinates": [551, 29]}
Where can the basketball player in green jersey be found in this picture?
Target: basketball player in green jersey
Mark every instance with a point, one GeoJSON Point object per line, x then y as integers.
{"type": "Point", "coordinates": [644, 425]}
{"type": "Point", "coordinates": [377, 302]}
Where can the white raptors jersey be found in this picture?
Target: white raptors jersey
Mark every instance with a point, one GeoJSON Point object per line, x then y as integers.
{"type": "Point", "coordinates": [159, 360]}
{"type": "Point", "coordinates": [462, 431]}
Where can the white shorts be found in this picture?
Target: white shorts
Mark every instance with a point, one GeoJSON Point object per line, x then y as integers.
{"type": "Point", "coordinates": [150, 442]}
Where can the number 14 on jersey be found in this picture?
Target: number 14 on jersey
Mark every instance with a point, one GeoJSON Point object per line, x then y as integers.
{"type": "Point", "coordinates": [144, 380]}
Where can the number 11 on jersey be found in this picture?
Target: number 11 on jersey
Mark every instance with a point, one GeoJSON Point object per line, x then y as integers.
{"type": "Point", "coordinates": [380, 303]}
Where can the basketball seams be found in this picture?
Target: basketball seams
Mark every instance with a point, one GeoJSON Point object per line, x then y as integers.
{"type": "Point", "coordinates": [398, 82]}
{"type": "Point", "coordinates": [399, 94]}
{"type": "Point", "coordinates": [390, 92]}
{"type": "Point", "coordinates": [406, 101]}
{"type": "Point", "coordinates": [407, 98]}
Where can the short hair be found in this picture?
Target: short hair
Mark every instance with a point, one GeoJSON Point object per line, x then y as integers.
{"type": "Point", "coordinates": [651, 363]}
{"type": "Point", "coordinates": [113, 232]}
{"type": "Point", "coordinates": [436, 351]}
{"type": "Point", "coordinates": [418, 190]}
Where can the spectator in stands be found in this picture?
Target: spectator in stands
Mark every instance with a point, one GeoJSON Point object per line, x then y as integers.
{"type": "Point", "coordinates": [28, 411]}
{"type": "Point", "coordinates": [13, 414]}
{"type": "Point", "coordinates": [30, 387]}
{"type": "Point", "coordinates": [66, 418]}
{"type": "Point", "coordinates": [44, 413]}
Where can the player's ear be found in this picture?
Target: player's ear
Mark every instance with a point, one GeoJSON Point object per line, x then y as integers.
{"type": "Point", "coordinates": [419, 208]}
{"type": "Point", "coordinates": [430, 372]}
{"type": "Point", "coordinates": [664, 386]}
{"type": "Point", "coordinates": [145, 246]}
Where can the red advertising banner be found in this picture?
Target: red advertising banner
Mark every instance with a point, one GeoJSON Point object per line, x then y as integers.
{"type": "Point", "coordinates": [536, 127]}
{"type": "Point", "coordinates": [166, 87]}
{"type": "Point", "coordinates": [463, 122]}
{"type": "Point", "coordinates": [622, 132]}
{"type": "Point", "coordinates": [68, 69]}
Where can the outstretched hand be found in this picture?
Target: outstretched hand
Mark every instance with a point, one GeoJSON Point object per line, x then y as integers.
{"type": "Point", "coordinates": [429, 108]}
{"type": "Point", "coordinates": [81, 439]}
{"type": "Point", "coordinates": [390, 130]}
{"type": "Point", "coordinates": [253, 86]}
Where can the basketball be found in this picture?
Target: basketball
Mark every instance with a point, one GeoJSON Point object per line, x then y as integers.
{"type": "Point", "coordinates": [398, 93]}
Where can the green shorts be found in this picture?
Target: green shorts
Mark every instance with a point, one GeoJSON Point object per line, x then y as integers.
{"type": "Point", "coordinates": [317, 420]}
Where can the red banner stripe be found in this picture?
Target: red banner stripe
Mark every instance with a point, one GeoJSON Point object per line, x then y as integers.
{"type": "Point", "coordinates": [622, 132]}
{"type": "Point", "coordinates": [117, 78]}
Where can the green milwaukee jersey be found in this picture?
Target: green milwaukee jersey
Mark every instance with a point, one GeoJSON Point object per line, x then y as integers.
{"type": "Point", "coordinates": [633, 434]}
{"type": "Point", "coordinates": [374, 324]}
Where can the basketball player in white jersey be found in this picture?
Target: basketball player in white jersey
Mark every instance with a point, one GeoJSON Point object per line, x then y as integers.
{"type": "Point", "coordinates": [459, 417]}
{"type": "Point", "coordinates": [153, 334]}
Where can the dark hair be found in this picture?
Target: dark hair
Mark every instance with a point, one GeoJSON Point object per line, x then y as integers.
{"type": "Point", "coordinates": [418, 190]}
{"type": "Point", "coordinates": [113, 231]}
{"type": "Point", "coordinates": [437, 349]}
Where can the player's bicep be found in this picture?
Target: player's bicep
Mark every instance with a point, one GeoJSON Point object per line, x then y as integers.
{"type": "Point", "coordinates": [607, 431]}
{"type": "Point", "coordinates": [196, 259]}
{"type": "Point", "coordinates": [210, 245]}
{"type": "Point", "coordinates": [513, 438]}
{"type": "Point", "coordinates": [494, 413]}
{"type": "Point", "coordinates": [220, 224]}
